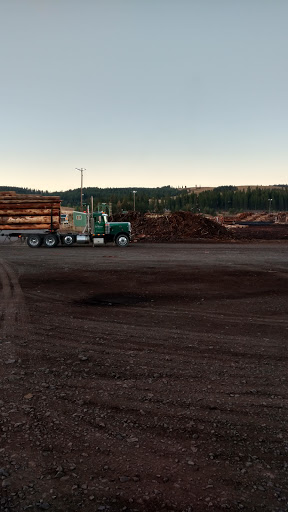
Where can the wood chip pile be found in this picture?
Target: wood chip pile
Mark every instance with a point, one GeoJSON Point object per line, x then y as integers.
{"type": "Point", "coordinates": [28, 211]}
{"type": "Point", "coordinates": [173, 227]}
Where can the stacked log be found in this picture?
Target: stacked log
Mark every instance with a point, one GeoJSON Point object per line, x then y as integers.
{"type": "Point", "coordinates": [28, 211]}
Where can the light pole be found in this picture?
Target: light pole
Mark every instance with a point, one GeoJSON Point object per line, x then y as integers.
{"type": "Point", "coordinates": [270, 201]}
{"type": "Point", "coordinates": [81, 170]}
{"type": "Point", "coordinates": [134, 193]}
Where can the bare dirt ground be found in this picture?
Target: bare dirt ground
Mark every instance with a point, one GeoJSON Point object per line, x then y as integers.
{"type": "Point", "coordinates": [152, 378]}
{"type": "Point", "coordinates": [274, 232]}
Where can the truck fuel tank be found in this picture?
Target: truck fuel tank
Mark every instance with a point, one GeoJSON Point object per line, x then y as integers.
{"type": "Point", "coordinates": [82, 239]}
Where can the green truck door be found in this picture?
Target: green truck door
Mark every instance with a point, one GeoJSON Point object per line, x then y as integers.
{"type": "Point", "coordinates": [99, 225]}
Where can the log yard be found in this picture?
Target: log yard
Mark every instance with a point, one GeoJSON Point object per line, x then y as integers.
{"type": "Point", "coordinates": [148, 379]}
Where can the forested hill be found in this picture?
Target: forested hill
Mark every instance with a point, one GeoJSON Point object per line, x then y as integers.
{"type": "Point", "coordinates": [121, 198]}
{"type": "Point", "coordinates": [161, 199]}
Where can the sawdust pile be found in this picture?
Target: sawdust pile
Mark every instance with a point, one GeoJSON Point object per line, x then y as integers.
{"type": "Point", "coordinates": [173, 227]}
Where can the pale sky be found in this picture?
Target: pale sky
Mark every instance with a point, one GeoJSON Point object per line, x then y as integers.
{"type": "Point", "coordinates": [143, 92]}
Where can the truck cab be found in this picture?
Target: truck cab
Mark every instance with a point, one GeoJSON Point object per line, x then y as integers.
{"type": "Point", "coordinates": [103, 231]}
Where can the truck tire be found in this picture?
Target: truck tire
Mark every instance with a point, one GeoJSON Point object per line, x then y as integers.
{"type": "Point", "coordinates": [122, 240]}
{"type": "Point", "coordinates": [34, 241]}
{"type": "Point", "coordinates": [68, 240]}
{"type": "Point", "coordinates": [51, 240]}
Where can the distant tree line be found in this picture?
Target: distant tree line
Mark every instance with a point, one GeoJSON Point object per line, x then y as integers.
{"type": "Point", "coordinates": [162, 199]}
{"type": "Point", "coordinates": [231, 199]}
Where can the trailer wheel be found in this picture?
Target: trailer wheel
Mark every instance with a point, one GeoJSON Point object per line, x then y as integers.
{"type": "Point", "coordinates": [34, 241]}
{"type": "Point", "coordinates": [51, 241]}
{"type": "Point", "coordinates": [122, 240]}
{"type": "Point", "coordinates": [68, 240]}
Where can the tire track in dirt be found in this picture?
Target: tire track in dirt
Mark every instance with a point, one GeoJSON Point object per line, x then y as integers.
{"type": "Point", "coordinates": [14, 316]}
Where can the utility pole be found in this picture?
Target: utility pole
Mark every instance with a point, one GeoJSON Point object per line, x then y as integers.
{"type": "Point", "coordinates": [81, 170]}
{"type": "Point", "coordinates": [134, 193]}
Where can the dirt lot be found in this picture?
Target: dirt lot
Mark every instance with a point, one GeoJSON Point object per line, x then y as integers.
{"type": "Point", "coordinates": [152, 378]}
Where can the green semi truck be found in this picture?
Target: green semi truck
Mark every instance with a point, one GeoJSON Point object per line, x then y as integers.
{"type": "Point", "coordinates": [99, 231]}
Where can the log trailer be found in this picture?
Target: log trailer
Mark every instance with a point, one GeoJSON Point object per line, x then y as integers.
{"type": "Point", "coordinates": [37, 219]}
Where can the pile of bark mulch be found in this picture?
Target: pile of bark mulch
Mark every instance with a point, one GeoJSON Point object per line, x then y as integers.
{"type": "Point", "coordinates": [172, 227]}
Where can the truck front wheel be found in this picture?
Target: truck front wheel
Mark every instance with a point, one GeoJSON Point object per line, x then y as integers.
{"type": "Point", "coordinates": [34, 241]}
{"type": "Point", "coordinates": [122, 240]}
{"type": "Point", "coordinates": [51, 241]}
